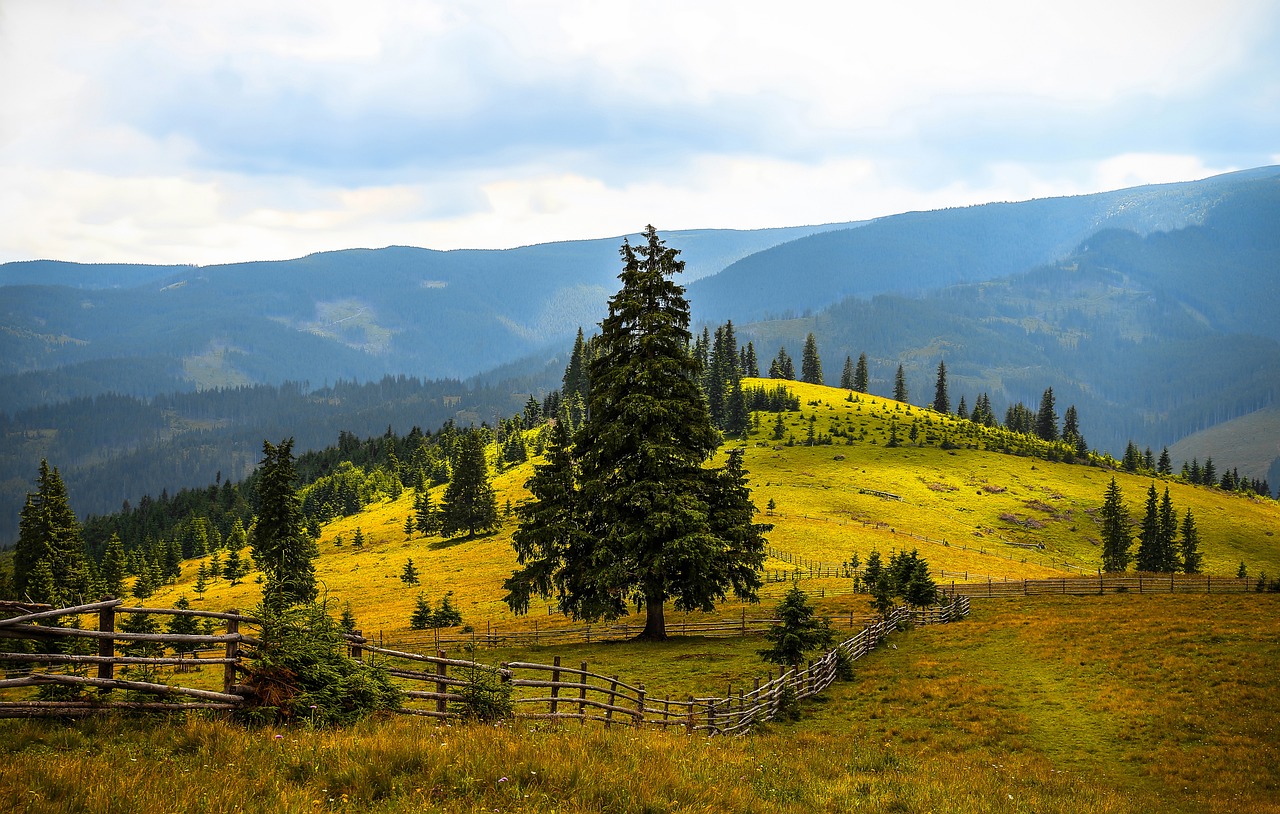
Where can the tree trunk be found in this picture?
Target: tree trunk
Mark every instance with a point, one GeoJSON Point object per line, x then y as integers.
{"type": "Point", "coordinates": [655, 624]}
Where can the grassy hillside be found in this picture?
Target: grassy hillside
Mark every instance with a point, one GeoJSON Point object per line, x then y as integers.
{"type": "Point", "coordinates": [981, 513]}
{"type": "Point", "coordinates": [1048, 704]}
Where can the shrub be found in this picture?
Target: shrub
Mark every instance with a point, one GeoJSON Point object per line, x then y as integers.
{"type": "Point", "coordinates": [485, 697]}
{"type": "Point", "coordinates": [301, 671]}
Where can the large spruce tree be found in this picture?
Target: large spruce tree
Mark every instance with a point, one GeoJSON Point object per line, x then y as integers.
{"type": "Point", "coordinates": [1116, 539]}
{"type": "Point", "coordinates": [1047, 417]}
{"type": "Point", "coordinates": [941, 401]}
{"type": "Point", "coordinates": [49, 562]}
{"type": "Point", "coordinates": [810, 362]}
{"type": "Point", "coordinates": [282, 548]}
{"type": "Point", "coordinates": [900, 385]}
{"type": "Point", "coordinates": [470, 503]}
{"type": "Point", "coordinates": [633, 514]}
{"type": "Point", "coordinates": [861, 376]}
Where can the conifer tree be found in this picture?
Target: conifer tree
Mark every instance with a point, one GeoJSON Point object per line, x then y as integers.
{"type": "Point", "coordinates": [409, 574]}
{"type": "Point", "coordinates": [782, 367]}
{"type": "Point", "coordinates": [470, 503]}
{"type": "Point", "coordinates": [114, 567]}
{"type": "Point", "coordinates": [1165, 465]}
{"type": "Point", "coordinates": [1150, 557]}
{"type": "Point", "coordinates": [1132, 458]}
{"type": "Point", "coordinates": [1047, 417]}
{"type": "Point", "coordinates": [1071, 431]}
{"type": "Point", "coordinates": [798, 631]}
{"type": "Point", "coordinates": [48, 532]}
{"type": "Point", "coordinates": [941, 401]}
{"type": "Point", "coordinates": [575, 373]}
{"type": "Point", "coordinates": [423, 616]}
{"type": "Point", "coordinates": [962, 411]}
{"type": "Point", "coordinates": [634, 514]}
{"type": "Point", "coordinates": [181, 624]}
{"type": "Point", "coordinates": [236, 568]}
{"type": "Point", "coordinates": [1190, 545]}
{"type": "Point", "coordinates": [810, 363]}
{"type": "Point", "coordinates": [282, 548]}
{"type": "Point", "coordinates": [425, 514]}
{"type": "Point", "coordinates": [861, 376]}
{"type": "Point", "coordinates": [1168, 551]}
{"type": "Point", "coordinates": [202, 580]}
{"type": "Point", "coordinates": [750, 364]}
{"type": "Point", "coordinates": [1116, 540]}
{"type": "Point", "coordinates": [846, 375]}
{"type": "Point", "coordinates": [347, 622]}
{"type": "Point", "coordinates": [900, 386]}
{"type": "Point", "coordinates": [1208, 473]}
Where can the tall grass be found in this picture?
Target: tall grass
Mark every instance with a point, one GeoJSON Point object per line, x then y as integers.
{"type": "Point", "coordinates": [1045, 704]}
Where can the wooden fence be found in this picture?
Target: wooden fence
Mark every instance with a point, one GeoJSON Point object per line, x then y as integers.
{"type": "Point", "coordinates": [28, 669]}
{"type": "Point", "coordinates": [1103, 584]}
{"type": "Point", "coordinates": [567, 693]}
{"type": "Point", "coordinates": [538, 691]}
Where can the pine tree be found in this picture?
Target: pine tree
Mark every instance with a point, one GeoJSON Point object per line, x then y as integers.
{"type": "Point", "coordinates": [941, 401]}
{"type": "Point", "coordinates": [423, 616]}
{"type": "Point", "coordinates": [470, 503]}
{"type": "Point", "coordinates": [962, 411]}
{"type": "Point", "coordinates": [202, 580]}
{"type": "Point", "coordinates": [1168, 551]}
{"type": "Point", "coordinates": [846, 375]}
{"type": "Point", "coordinates": [1047, 417]}
{"type": "Point", "coordinates": [282, 548]}
{"type": "Point", "coordinates": [1132, 458]}
{"type": "Point", "coordinates": [810, 363]}
{"type": "Point", "coordinates": [798, 630]}
{"type": "Point", "coordinates": [1116, 540]}
{"type": "Point", "coordinates": [751, 365]}
{"type": "Point", "coordinates": [1071, 431]}
{"type": "Point", "coordinates": [114, 567]}
{"type": "Point", "coordinates": [900, 386]}
{"type": "Point", "coordinates": [1165, 465]}
{"type": "Point", "coordinates": [48, 532]}
{"type": "Point", "coordinates": [640, 519]}
{"type": "Point", "coordinates": [1190, 545]}
{"type": "Point", "coordinates": [236, 568]}
{"type": "Point", "coordinates": [861, 377]}
{"type": "Point", "coordinates": [1208, 473]}
{"type": "Point", "coordinates": [425, 514]}
{"type": "Point", "coordinates": [575, 374]}
{"type": "Point", "coordinates": [409, 525]}
{"type": "Point", "coordinates": [1150, 557]}
{"type": "Point", "coordinates": [409, 574]}
{"type": "Point", "coordinates": [181, 624]}
{"type": "Point", "coordinates": [347, 622]}
{"type": "Point", "coordinates": [782, 367]}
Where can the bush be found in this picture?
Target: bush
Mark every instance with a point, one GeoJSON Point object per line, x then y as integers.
{"type": "Point", "coordinates": [301, 672]}
{"type": "Point", "coordinates": [485, 697]}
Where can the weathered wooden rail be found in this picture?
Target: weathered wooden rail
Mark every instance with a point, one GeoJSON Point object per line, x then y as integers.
{"type": "Point", "coordinates": [1103, 584]}
{"type": "Point", "coordinates": [438, 685]}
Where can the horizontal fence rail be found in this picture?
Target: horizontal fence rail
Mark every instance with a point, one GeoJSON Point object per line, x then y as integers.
{"type": "Point", "coordinates": [1104, 584]}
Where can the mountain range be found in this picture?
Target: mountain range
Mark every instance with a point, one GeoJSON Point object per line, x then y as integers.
{"type": "Point", "coordinates": [1151, 309]}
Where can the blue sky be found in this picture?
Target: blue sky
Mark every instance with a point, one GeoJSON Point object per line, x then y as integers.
{"type": "Point", "coordinates": [215, 132]}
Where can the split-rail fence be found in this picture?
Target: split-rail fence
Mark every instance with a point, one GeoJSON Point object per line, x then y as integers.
{"type": "Point", "coordinates": [553, 692]}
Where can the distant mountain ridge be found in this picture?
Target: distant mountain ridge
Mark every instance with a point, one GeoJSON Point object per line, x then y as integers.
{"type": "Point", "coordinates": [1151, 309]}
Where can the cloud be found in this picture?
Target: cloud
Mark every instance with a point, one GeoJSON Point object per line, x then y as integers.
{"type": "Point", "coordinates": [137, 130]}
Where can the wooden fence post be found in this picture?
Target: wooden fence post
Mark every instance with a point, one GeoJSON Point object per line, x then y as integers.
{"type": "Point", "coordinates": [582, 692]}
{"type": "Point", "coordinates": [233, 653]}
{"type": "Point", "coordinates": [613, 696]}
{"type": "Point", "coordinates": [354, 649]}
{"type": "Point", "coordinates": [107, 647]}
{"type": "Point", "coordinates": [640, 708]}
{"type": "Point", "coordinates": [555, 685]}
{"type": "Point", "coordinates": [442, 672]}
{"type": "Point", "coordinates": [688, 721]}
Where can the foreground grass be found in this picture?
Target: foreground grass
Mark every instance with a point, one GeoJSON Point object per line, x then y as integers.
{"type": "Point", "coordinates": [1120, 704]}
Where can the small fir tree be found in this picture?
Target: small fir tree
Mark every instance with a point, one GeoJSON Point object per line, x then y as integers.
{"type": "Point", "coordinates": [900, 386]}
{"type": "Point", "coordinates": [797, 631]}
{"type": "Point", "coordinates": [861, 376]}
{"type": "Point", "coordinates": [810, 363]}
{"type": "Point", "coordinates": [1190, 545]}
{"type": "Point", "coordinates": [1116, 540]}
{"type": "Point", "coordinates": [846, 375]}
{"type": "Point", "coordinates": [941, 401]}
{"type": "Point", "coordinates": [409, 574]}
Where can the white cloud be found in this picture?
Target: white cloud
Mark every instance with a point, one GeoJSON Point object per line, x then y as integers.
{"type": "Point", "coordinates": [158, 131]}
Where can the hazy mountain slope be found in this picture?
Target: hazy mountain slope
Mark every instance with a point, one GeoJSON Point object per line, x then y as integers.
{"type": "Point", "coordinates": [1152, 338]}
{"type": "Point", "coordinates": [919, 251]}
{"type": "Point", "coordinates": [1250, 443]}
{"type": "Point", "coordinates": [356, 314]}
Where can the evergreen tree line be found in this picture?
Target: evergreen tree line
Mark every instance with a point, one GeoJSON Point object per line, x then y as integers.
{"type": "Point", "coordinates": [1206, 474]}
{"type": "Point", "coordinates": [1165, 545]}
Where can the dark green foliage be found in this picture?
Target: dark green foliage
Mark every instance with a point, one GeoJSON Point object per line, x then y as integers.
{"type": "Point", "coordinates": [423, 614]}
{"type": "Point", "coordinates": [782, 367]}
{"type": "Point", "coordinates": [1156, 552]}
{"type": "Point", "coordinates": [861, 376]}
{"type": "Point", "coordinates": [1189, 545]}
{"type": "Point", "coordinates": [301, 672]}
{"type": "Point", "coordinates": [469, 504]}
{"type": "Point", "coordinates": [423, 617]}
{"type": "Point", "coordinates": [409, 574]}
{"type": "Point", "coordinates": [810, 362]}
{"type": "Point", "coordinates": [797, 631]}
{"type": "Point", "coordinates": [282, 548]}
{"type": "Point", "coordinates": [1071, 431]}
{"type": "Point", "coordinates": [962, 410]}
{"type": "Point", "coordinates": [775, 399]}
{"type": "Point", "coordinates": [112, 571]}
{"type": "Point", "coordinates": [486, 695]}
{"type": "Point", "coordinates": [846, 375]}
{"type": "Point", "coordinates": [181, 624]}
{"type": "Point", "coordinates": [1116, 539]}
{"type": "Point", "coordinates": [1047, 417]}
{"type": "Point", "coordinates": [347, 621]}
{"type": "Point", "coordinates": [750, 364]}
{"type": "Point", "coordinates": [425, 514]}
{"type": "Point", "coordinates": [1165, 465]}
{"type": "Point", "coordinates": [49, 533]}
{"type": "Point", "coordinates": [941, 401]}
{"type": "Point", "coordinates": [630, 513]}
{"type": "Point", "coordinates": [900, 385]}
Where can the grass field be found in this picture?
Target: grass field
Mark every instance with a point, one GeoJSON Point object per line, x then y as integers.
{"type": "Point", "coordinates": [1048, 704]}
{"type": "Point", "coordinates": [980, 502]}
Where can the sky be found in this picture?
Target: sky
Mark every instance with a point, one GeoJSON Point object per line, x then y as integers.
{"type": "Point", "coordinates": [211, 132]}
